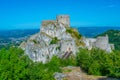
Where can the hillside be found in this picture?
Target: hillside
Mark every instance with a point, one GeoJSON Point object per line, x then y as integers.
{"type": "Point", "coordinates": [94, 30]}
{"type": "Point", "coordinates": [15, 37]}
{"type": "Point", "coordinates": [114, 37]}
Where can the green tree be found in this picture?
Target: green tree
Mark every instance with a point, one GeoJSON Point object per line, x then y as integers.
{"type": "Point", "coordinates": [98, 62]}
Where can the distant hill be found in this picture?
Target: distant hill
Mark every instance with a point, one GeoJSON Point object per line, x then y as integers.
{"type": "Point", "coordinates": [15, 37]}
{"type": "Point", "coordinates": [17, 33]}
{"type": "Point", "coordinates": [94, 31]}
{"type": "Point", "coordinates": [114, 37]}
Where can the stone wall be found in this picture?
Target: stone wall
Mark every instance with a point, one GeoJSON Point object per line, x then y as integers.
{"type": "Point", "coordinates": [65, 19]}
{"type": "Point", "coordinates": [46, 22]}
{"type": "Point", "coordinates": [101, 42]}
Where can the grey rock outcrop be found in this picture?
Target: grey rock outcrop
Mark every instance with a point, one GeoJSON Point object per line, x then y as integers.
{"type": "Point", "coordinates": [59, 76]}
{"type": "Point", "coordinates": [51, 40]}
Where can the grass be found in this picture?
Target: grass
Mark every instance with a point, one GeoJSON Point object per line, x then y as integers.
{"type": "Point", "coordinates": [75, 34]}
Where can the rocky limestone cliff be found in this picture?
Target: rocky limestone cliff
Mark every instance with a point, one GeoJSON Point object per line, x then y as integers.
{"type": "Point", "coordinates": [54, 38]}
{"type": "Point", "coordinates": [57, 38]}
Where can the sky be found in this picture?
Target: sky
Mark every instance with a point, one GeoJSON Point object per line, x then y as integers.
{"type": "Point", "coordinates": [28, 14]}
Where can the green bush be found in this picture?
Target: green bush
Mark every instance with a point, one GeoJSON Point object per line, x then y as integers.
{"type": "Point", "coordinates": [15, 65]}
{"type": "Point", "coordinates": [98, 62]}
{"type": "Point", "coordinates": [54, 40]}
{"type": "Point", "coordinates": [71, 61]}
{"type": "Point", "coordinates": [35, 41]}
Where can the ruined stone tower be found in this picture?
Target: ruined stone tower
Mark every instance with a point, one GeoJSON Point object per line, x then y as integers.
{"type": "Point", "coordinates": [65, 19]}
{"type": "Point", "coordinates": [103, 43]}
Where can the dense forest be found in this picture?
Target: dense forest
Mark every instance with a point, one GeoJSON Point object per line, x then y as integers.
{"type": "Point", "coordinates": [15, 65]}
{"type": "Point", "coordinates": [114, 37]}
{"type": "Point", "coordinates": [98, 62]}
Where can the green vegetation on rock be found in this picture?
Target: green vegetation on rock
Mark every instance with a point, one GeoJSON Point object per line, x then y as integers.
{"type": "Point", "coordinates": [75, 34]}
{"type": "Point", "coordinates": [54, 40]}
{"type": "Point", "coordinates": [35, 41]}
{"type": "Point", "coordinates": [58, 48]}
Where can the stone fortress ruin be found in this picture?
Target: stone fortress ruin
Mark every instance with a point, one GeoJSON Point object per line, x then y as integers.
{"type": "Point", "coordinates": [67, 44]}
{"type": "Point", "coordinates": [101, 42]}
{"type": "Point", "coordinates": [64, 19]}
{"type": "Point", "coordinates": [53, 39]}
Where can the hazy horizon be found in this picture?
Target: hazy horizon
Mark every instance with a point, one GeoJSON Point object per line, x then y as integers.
{"type": "Point", "coordinates": [108, 27]}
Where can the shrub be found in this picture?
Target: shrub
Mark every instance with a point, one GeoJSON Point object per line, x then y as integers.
{"type": "Point", "coordinates": [54, 40]}
{"type": "Point", "coordinates": [98, 62]}
{"type": "Point", "coordinates": [75, 34]}
{"type": "Point", "coordinates": [71, 61]}
{"type": "Point", "coordinates": [15, 65]}
{"type": "Point", "coordinates": [35, 41]}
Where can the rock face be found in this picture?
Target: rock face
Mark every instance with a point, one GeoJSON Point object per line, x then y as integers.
{"type": "Point", "coordinates": [53, 39]}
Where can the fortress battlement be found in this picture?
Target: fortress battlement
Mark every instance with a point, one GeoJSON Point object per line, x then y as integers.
{"type": "Point", "coordinates": [64, 19]}
{"type": "Point", "coordinates": [46, 22]}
